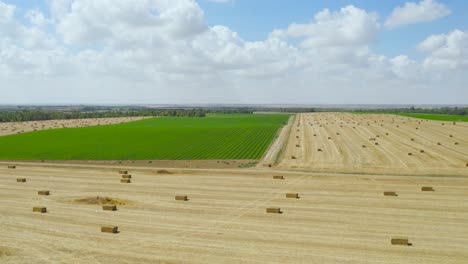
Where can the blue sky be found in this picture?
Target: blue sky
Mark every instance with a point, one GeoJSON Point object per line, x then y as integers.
{"type": "Point", "coordinates": [238, 51]}
{"type": "Point", "coordinates": [255, 19]}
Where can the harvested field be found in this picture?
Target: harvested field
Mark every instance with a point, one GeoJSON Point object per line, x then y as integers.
{"type": "Point", "coordinates": [396, 145]}
{"type": "Point", "coordinates": [11, 128]}
{"type": "Point", "coordinates": [338, 219]}
{"type": "Point", "coordinates": [100, 200]}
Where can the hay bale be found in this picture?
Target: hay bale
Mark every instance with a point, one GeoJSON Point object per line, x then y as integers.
{"type": "Point", "coordinates": [11, 166]}
{"type": "Point", "coordinates": [438, 143]}
{"type": "Point", "coordinates": [298, 146]}
{"type": "Point", "coordinates": [181, 198]}
{"type": "Point", "coordinates": [292, 195]}
{"type": "Point", "coordinates": [412, 139]}
{"type": "Point", "coordinates": [273, 210]}
{"type": "Point", "coordinates": [410, 154]}
{"type": "Point", "coordinates": [278, 177]}
{"type": "Point", "coordinates": [123, 172]}
{"type": "Point", "coordinates": [297, 136]}
{"type": "Point", "coordinates": [126, 176]}
{"type": "Point", "coordinates": [293, 157]}
{"type": "Point", "coordinates": [110, 229]}
{"type": "Point", "coordinates": [21, 180]}
{"type": "Point", "coordinates": [364, 146]}
{"type": "Point", "coordinates": [109, 207]}
{"type": "Point", "coordinates": [163, 172]}
{"type": "Point", "coordinates": [376, 143]}
{"type": "Point", "coordinates": [450, 135]}
{"type": "Point", "coordinates": [40, 209]}
{"type": "Point", "coordinates": [390, 193]}
{"type": "Point", "coordinates": [329, 137]}
{"type": "Point", "coordinates": [319, 150]}
{"type": "Point", "coordinates": [403, 241]}
{"type": "Point", "coordinates": [43, 192]}
{"type": "Point", "coordinates": [456, 143]}
{"type": "Point", "coordinates": [422, 151]}
{"type": "Point", "coordinates": [427, 189]}
{"type": "Point", "coordinates": [125, 180]}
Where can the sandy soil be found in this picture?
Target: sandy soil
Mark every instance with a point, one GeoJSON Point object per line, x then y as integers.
{"type": "Point", "coordinates": [338, 218]}
{"type": "Point", "coordinates": [396, 137]}
{"type": "Point", "coordinates": [193, 164]}
{"type": "Point", "coordinates": [271, 155]}
{"type": "Point", "coordinates": [10, 128]}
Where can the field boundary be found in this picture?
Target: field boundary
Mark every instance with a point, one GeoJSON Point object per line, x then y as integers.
{"type": "Point", "coordinates": [274, 150]}
{"type": "Point", "coordinates": [241, 171]}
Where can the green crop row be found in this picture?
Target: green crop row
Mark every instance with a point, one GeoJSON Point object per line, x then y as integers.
{"type": "Point", "coordinates": [239, 136]}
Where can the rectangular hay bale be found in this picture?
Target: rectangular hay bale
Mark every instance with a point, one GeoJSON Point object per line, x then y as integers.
{"type": "Point", "coordinates": [427, 189]}
{"type": "Point", "coordinates": [125, 181]}
{"type": "Point", "coordinates": [273, 210]}
{"type": "Point", "coordinates": [123, 172]}
{"type": "Point", "coordinates": [400, 241]}
{"type": "Point", "coordinates": [40, 209]}
{"type": "Point", "coordinates": [43, 192]}
{"type": "Point", "coordinates": [390, 193]}
{"type": "Point", "coordinates": [181, 198]}
{"type": "Point", "coordinates": [278, 177]}
{"type": "Point", "coordinates": [110, 229]}
{"type": "Point", "coordinates": [12, 167]}
{"type": "Point", "coordinates": [126, 176]}
{"type": "Point", "coordinates": [21, 180]}
{"type": "Point", "coordinates": [292, 195]}
{"type": "Point", "coordinates": [112, 207]}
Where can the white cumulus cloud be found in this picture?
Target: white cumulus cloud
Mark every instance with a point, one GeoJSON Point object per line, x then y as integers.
{"type": "Point", "coordinates": [412, 13]}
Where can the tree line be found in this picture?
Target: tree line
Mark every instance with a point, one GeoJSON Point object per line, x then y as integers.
{"type": "Point", "coordinates": [442, 110]}
{"type": "Point", "coordinates": [37, 115]}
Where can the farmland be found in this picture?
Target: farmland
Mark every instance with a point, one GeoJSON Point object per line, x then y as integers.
{"type": "Point", "coordinates": [439, 117]}
{"type": "Point", "coordinates": [371, 143]}
{"type": "Point", "coordinates": [176, 138]}
{"type": "Point", "coordinates": [345, 185]}
{"type": "Point", "coordinates": [337, 219]}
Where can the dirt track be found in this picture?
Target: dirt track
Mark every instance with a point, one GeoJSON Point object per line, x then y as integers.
{"type": "Point", "coordinates": [10, 128]}
{"type": "Point", "coordinates": [338, 219]}
{"type": "Point", "coordinates": [315, 145]}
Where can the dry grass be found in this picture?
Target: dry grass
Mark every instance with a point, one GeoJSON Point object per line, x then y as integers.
{"type": "Point", "coordinates": [5, 252]}
{"type": "Point", "coordinates": [101, 200]}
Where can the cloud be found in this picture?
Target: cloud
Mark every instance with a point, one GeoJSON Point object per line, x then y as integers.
{"type": "Point", "coordinates": [412, 13]}
{"type": "Point", "coordinates": [349, 26]}
{"type": "Point", "coordinates": [6, 12]}
{"type": "Point", "coordinates": [446, 51]}
{"type": "Point", "coordinates": [162, 51]}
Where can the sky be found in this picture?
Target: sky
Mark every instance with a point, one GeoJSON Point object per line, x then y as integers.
{"type": "Point", "coordinates": [233, 52]}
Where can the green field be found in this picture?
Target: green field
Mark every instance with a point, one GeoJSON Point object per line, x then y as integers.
{"type": "Point", "coordinates": [240, 136]}
{"type": "Point", "coordinates": [457, 118]}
